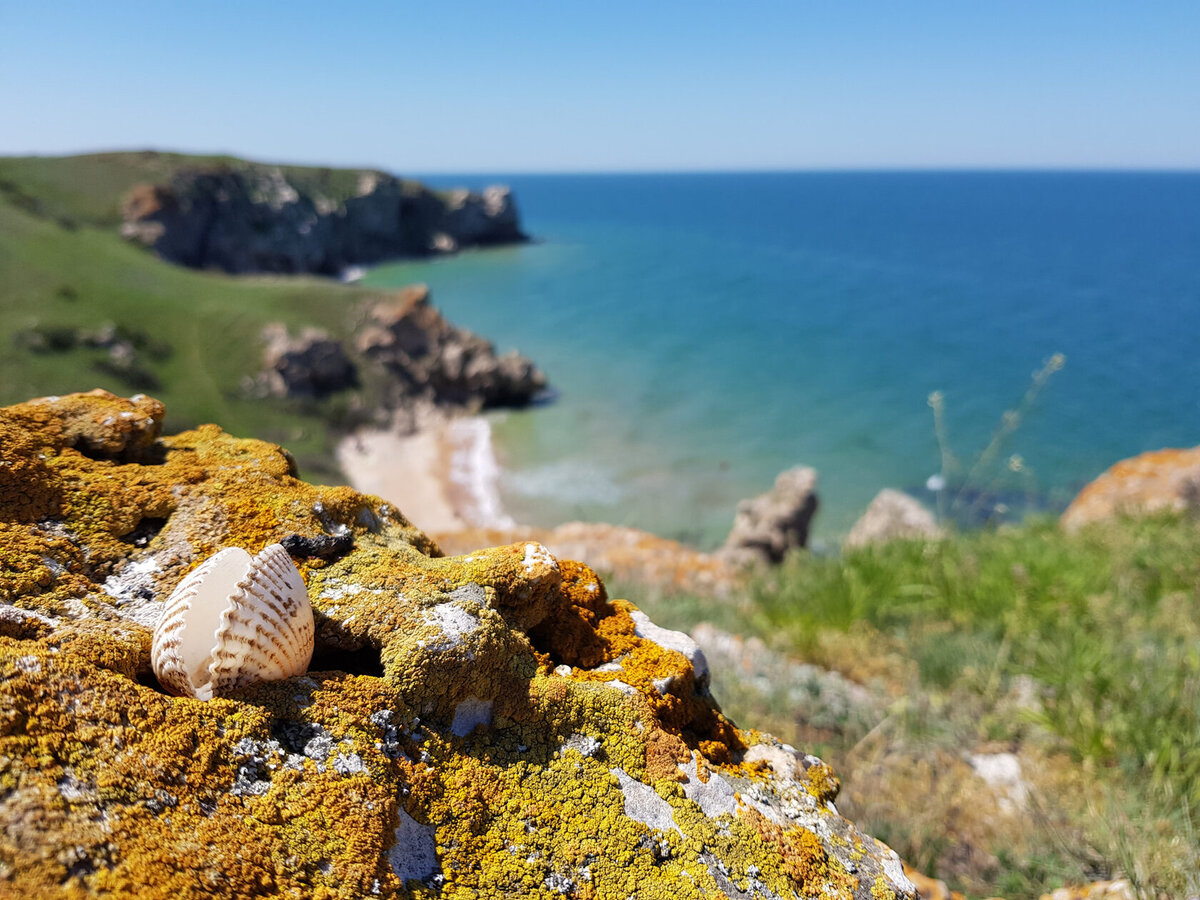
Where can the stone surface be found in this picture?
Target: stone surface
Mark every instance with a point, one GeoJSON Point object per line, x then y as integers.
{"type": "Point", "coordinates": [426, 358]}
{"type": "Point", "coordinates": [626, 554]}
{"type": "Point", "coordinates": [310, 365]}
{"type": "Point", "coordinates": [1151, 482]}
{"type": "Point", "coordinates": [766, 527]}
{"type": "Point", "coordinates": [893, 515]}
{"type": "Point", "coordinates": [490, 725]}
{"type": "Point", "coordinates": [256, 218]}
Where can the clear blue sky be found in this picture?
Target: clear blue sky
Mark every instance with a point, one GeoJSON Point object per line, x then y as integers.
{"type": "Point", "coordinates": [607, 86]}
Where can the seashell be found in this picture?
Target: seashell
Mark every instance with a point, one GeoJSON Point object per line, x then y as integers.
{"type": "Point", "coordinates": [236, 619]}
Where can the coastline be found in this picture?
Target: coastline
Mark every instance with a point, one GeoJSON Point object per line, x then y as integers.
{"type": "Point", "coordinates": [443, 477]}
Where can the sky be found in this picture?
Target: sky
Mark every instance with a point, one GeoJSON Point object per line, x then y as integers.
{"type": "Point", "coordinates": [560, 85]}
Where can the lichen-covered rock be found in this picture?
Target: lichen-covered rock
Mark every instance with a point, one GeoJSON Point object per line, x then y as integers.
{"type": "Point", "coordinates": [891, 516]}
{"type": "Point", "coordinates": [1150, 482]}
{"type": "Point", "coordinates": [490, 725]}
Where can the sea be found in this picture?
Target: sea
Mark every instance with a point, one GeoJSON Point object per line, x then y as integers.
{"type": "Point", "coordinates": [703, 332]}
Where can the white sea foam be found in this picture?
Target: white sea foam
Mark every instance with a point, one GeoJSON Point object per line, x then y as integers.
{"type": "Point", "coordinates": [475, 472]}
{"type": "Point", "coordinates": [568, 481]}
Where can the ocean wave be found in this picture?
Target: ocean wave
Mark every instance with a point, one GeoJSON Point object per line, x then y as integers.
{"type": "Point", "coordinates": [566, 481]}
{"type": "Point", "coordinates": [475, 472]}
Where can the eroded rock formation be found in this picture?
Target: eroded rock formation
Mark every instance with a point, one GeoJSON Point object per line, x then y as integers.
{"type": "Point", "coordinates": [766, 527]}
{"type": "Point", "coordinates": [255, 218]}
{"type": "Point", "coordinates": [891, 516]}
{"type": "Point", "coordinates": [491, 725]}
{"type": "Point", "coordinates": [427, 358]}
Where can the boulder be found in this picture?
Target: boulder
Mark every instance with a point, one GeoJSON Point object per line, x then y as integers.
{"type": "Point", "coordinates": [427, 358]}
{"type": "Point", "coordinates": [492, 725]}
{"type": "Point", "coordinates": [893, 515]}
{"type": "Point", "coordinates": [311, 365]}
{"type": "Point", "coordinates": [1151, 482]}
{"type": "Point", "coordinates": [247, 217]}
{"type": "Point", "coordinates": [766, 527]}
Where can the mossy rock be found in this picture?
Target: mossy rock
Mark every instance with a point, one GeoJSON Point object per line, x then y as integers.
{"type": "Point", "coordinates": [487, 725]}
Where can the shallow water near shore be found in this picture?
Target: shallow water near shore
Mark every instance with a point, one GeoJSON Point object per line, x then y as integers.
{"type": "Point", "coordinates": [705, 332]}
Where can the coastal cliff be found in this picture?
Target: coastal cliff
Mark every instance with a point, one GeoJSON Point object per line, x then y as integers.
{"type": "Point", "coordinates": [253, 218]}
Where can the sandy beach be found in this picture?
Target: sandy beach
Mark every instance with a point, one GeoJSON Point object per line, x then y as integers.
{"type": "Point", "coordinates": [445, 479]}
{"type": "Point", "coordinates": [442, 477]}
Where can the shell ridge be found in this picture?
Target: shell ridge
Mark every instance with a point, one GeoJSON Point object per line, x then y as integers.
{"type": "Point", "coordinates": [264, 631]}
{"type": "Point", "coordinates": [165, 656]}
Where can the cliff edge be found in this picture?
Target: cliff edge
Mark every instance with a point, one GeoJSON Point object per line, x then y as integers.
{"type": "Point", "coordinates": [247, 217]}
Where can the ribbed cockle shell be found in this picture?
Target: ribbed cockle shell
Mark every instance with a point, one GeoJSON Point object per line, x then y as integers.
{"type": "Point", "coordinates": [236, 619]}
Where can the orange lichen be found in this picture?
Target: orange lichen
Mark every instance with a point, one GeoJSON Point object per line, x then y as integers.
{"type": "Point", "coordinates": [1159, 480]}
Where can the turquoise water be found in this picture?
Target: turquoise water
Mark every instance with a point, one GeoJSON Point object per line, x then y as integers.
{"type": "Point", "coordinates": [705, 332]}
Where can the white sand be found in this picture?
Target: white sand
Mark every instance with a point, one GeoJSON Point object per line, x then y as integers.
{"type": "Point", "coordinates": [443, 477]}
{"type": "Point", "coordinates": [408, 471]}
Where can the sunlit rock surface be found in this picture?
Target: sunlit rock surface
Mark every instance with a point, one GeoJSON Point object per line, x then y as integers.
{"type": "Point", "coordinates": [490, 725]}
{"type": "Point", "coordinates": [1158, 481]}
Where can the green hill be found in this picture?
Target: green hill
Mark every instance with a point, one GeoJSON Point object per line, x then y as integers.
{"type": "Point", "coordinates": [67, 278]}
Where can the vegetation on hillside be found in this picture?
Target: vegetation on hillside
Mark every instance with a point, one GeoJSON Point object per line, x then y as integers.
{"type": "Point", "coordinates": [68, 281]}
{"type": "Point", "coordinates": [1077, 655]}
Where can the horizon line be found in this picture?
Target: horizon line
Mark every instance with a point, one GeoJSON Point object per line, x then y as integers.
{"type": "Point", "coordinates": [750, 169]}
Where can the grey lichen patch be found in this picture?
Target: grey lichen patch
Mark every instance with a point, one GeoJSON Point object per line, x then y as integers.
{"type": "Point", "coordinates": [348, 764]}
{"type": "Point", "coordinates": [414, 857]}
{"type": "Point", "coordinates": [642, 804]}
{"type": "Point", "coordinates": [389, 742]}
{"type": "Point", "coordinates": [469, 714]}
{"type": "Point", "coordinates": [134, 590]}
{"type": "Point", "coordinates": [714, 797]}
{"type": "Point", "coordinates": [453, 620]}
{"type": "Point", "coordinates": [583, 744]}
{"type": "Point", "coordinates": [253, 776]}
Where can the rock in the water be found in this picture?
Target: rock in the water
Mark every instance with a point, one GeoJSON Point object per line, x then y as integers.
{"type": "Point", "coordinates": [491, 725]}
{"type": "Point", "coordinates": [254, 218]}
{"type": "Point", "coordinates": [427, 358]}
{"type": "Point", "coordinates": [311, 365]}
{"type": "Point", "coordinates": [766, 527]}
{"type": "Point", "coordinates": [893, 515]}
{"type": "Point", "coordinates": [1151, 482]}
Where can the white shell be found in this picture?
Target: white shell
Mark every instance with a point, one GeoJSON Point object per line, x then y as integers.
{"type": "Point", "coordinates": [234, 620]}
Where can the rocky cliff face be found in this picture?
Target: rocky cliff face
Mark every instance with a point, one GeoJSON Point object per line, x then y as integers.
{"type": "Point", "coordinates": [428, 359]}
{"type": "Point", "coordinates": [491, 725]}
{"type": "Point", "coordinates": [253, 218]}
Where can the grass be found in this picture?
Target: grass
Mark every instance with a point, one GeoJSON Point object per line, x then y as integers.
{"type": "Point", "coordinates": [1080, 654]}
{"type": "Point", "coordinates": [64, 268]}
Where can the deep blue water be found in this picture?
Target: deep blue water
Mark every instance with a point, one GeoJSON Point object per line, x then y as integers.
{"type": "Point", "coordinates": [707, 331]}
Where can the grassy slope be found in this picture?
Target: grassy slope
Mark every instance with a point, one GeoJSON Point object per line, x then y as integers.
{"type": "Point", "coordinates": [62, 264]}
{"type": "Point", "coordinates": [1079, 653]}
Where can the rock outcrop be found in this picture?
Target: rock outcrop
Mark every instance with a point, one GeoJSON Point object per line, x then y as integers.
{"type": "Point", "coordinates": [893, 515]}
{"type": "Point", "coordinates": [310, 365]}
{"type": "Point", "coordinates": [623, 553]}
{"type": "Point", "coordinates": [766, 527]}
{"type": "Point", "coordinates": [255, 218]}
{"type": "Point", "coordinates": [414, 363]}
{"type": "Point", "coordinates": [1150, 482]}
{"type": "Point", "coordinates": [427, 358]}
{"type": "Point", "coordinates": [490, 725]}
